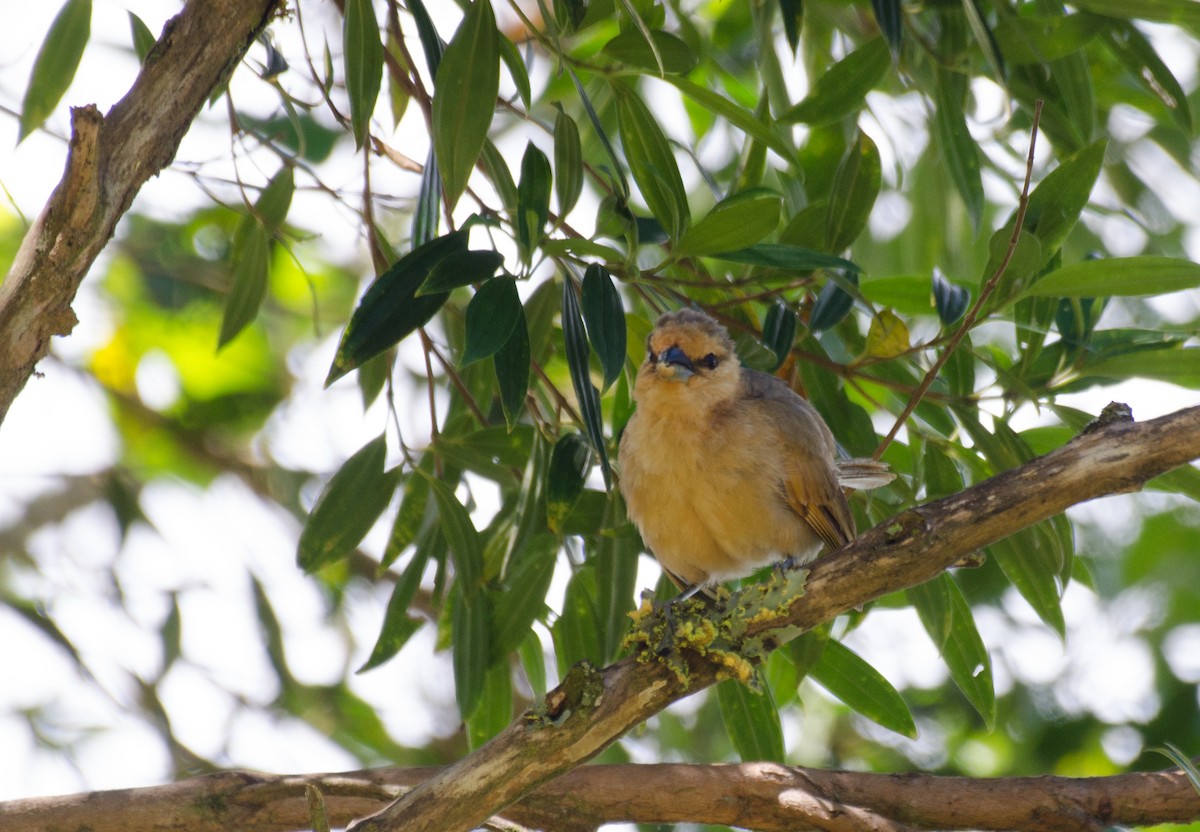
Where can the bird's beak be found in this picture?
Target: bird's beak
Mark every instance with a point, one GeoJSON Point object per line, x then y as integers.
{"type": "Point", "coordinates": [681, 367]}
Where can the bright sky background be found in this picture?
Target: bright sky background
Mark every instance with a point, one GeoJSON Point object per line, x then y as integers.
{"type": "Point", "coordinates": [206, 540]}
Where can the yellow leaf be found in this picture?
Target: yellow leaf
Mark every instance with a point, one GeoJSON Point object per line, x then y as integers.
{"type": "Point", "coordinates": [888, 336]}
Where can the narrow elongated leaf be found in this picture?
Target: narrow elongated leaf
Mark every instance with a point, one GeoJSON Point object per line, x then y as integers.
{"type": "Point", "coordinates": [143, 38]}
{"type": "Point", "coordinates": [495, 708]}
{"type": "Point", "coordinates": [275, 199]}
{"type": "Point", "coordinates": [468, 81]}
{"type": "Point", "coordinates": [985, 40]}
{"type": "Point", "coordinates": [832, 304]}
{"type": "Point", "coordinates": [1059, 199]}
{"type": "Point", "coordinates": [429, 200]}
{"type": "Point", "coordinates": [491, 317]}
{"type": "Point", "coordinates": [752, 721]}
{"type": "Point", "coordinates": [364, 64]}
{"type": "Point", "coordinates": [1118, 276]}
{"type": "Point", "coordinates": [390, 308]}
{"type": "Point", "coordinates": [734, 223]}
{"type": "Point", "coordinates": [631, 48]}
{"type": "Point", "coordinates": [1032, 562]}
{"type": "Point", "coordinates": [431, 44]}
{"type": "Point", "coordinates": [847, 676]}
{"type": "Point", "coordinates": [398, 626]}
{"type": "Point", "coordinates": [465, 546]}
{"type": "Point", "coordinates": [533, 199]}
{"type": "Point", "coordinates": [1134, 50]}
{"type": "Point", "coordinates": [1181, 12]}
{"type": "Point", "coordinates": [568, 163]}
{"type": "Point", "coordinates": [792, 12]}
{"type": "Point", "coordinates": [842, 89]}
{"type": "Point", "coordinates": [248, 282]}
{"type": "Point", "coordinates": [739, 117]}
{"type": "Point", "coordinates": [460, 268]}
{"type": "Point", "coordinates": [947, 617]}
{"type": "Point", "coordinates": [617, 168]}
{"type": "Point", "coordinates": [512, 363]}
{"type": "Point", "coordinates": [651, 162]}
{"type": "Point", "coordinates": [958, 147]}
{"type": "Point", "coordinates": [855, 187]}
{"type": "Point", "coordinates": [516, 68]}
{"type": "Point", "coordinates": [577, 630]}
{"type": "Point", "coordinates": [523, 600]}
{"type": "Point", "coordinates": [501, 177]}
{"type": "Point", "coordinates": [348, 506]}
{"type": "Point", "coordinates": [414, 498]}
{"type": "Point", "coordinates": [533, 662]}
{"type": "Point", "coordinates": [891, 22]}
{"type": "Point", "coordinates": [779, 332]}
{"type": "Point", "coordinates": [933, 605]}
{"type": "Point", "coordinates": [55, 65]}
{"type": "Point", "coordinates": [783, 256]}
{"type": "Point", "coordinates": [471, 623]}
{"type": "Point", "coordinates": [950, 299]}
{"type": "Point", "coordinates": [569, 462]}
{"type": "Point", "coordinates": [1178, 366]}
{"type": "Point", "coordinates": [604, 315]}
{"type": "Point", "coordinates": [576, 343]}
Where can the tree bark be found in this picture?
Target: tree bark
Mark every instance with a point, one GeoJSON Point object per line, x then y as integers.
{"type": "Point", "coordinates": [109, 159]}
{"type": "Point", "coordinates": [761, 796]}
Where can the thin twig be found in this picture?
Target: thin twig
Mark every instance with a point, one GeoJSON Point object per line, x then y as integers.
{"type": "Point", "coordinates": [988, 288]}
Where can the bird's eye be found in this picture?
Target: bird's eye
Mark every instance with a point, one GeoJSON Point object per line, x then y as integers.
{"type": "Point", "coordinates": [709, 361]}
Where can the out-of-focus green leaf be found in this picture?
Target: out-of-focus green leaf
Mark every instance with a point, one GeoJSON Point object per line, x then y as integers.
{"type": "Point", "coordinates": [364, 64]}
{"type": "Point", "coordinates": [465, 546]}
{"type": "Point", "coordinates": [805, 650]}
{"type": "Point", "coordinates": [495, 709]}
{"type": "Point", "coordinates": [651, 162]}
{"type": "Point", "coordinates": [490, 318]}
{"type": "Point", "coordinates": [56, 63]}
{"type": "Point", "coordinates": [947, 618]}
{"type": "Point", "coordinates": [516, 68]}
{"type": "Point", "coordinates": [604, 315]}
{"type": "Point", "coordinates": [783, 256]}
{"type": "Point", "coordinates": [533, 199]}
{"type": "Point", "coordinates": [471, 623]}
{"type": "Point", "coordinates": [1058, 200]}
{"type": "Point", "coordinates": [752, 721]}
{"type": "Point", "coordinates": [1032, 562]}
{"type": "Point", "coordinates": [568, 163]}
{"type": "Point", "coordinates": [950, 299]}
{"type": "Point", "coordinates": [739, 117]}
{"type": "Point", "coordinates": [1118, 276]}
{"type": "Point", "coordinates": [841, 89]}
{"type": "Point", "coordinates": [533, 662]}
{"type": "Point", "coordinates": [414, 498]}
{"type": "Point", "coordinates": [792, 12]}
{"type": "Point", "coordinates": [855, 187]}
{"type": "Point", "coordinates": [615, 552]}
{"type": "Point", "coordinates": [736, 222]}
{"type": "Point", "coordinates": [631, 48]}
{"type": "Point", "coordinates": [275, 199]}
{"type": "Point", "coordinates": [779, 332]}
{"type": "Point", "coordinates": [1178, 366]}
{"type": "Point", "coordinates": [617, 168]}
{"type": "Point", "coordinates": [143, 38]}
{"type": "Point", "coordinates": [1180, 12]}
{"type": "Point", "coordinates": [390, 309]}
{"type": "Point", "coordinates": [832, 304]}
{"type": "Point", "coordinates": [248, 279]}
{"type": "Point", "coordinates": [564, 481]}
{"type": "Point", "coordinates": [512, 363]}
{"type": "Point", "coordinates": [847, 676]}
{"type": "Point", "coordinates": [467, 83]}
{"type": "Point", "coordinates": [577, 630]}
{"type": "Point", "coordinates": [1035, 39]}
{"type": "Point", "coordinates": [958, 147]}
{"type": "Point", "coordinates": [348, 506]}
{"type": "Point", "coordinates": [398, 626]}
{"type": "Point", "coordinates": [1134, 50]}
{"type": "Point", "coordinates": [850, 423]}
{"type": "Point", "coordinates": [891, 22]}
{"type": "Point", "coordinates": [460, 268]}
{"type": "Point", "coordinates": [523, 599]}
{"type": "Point", "coordinates": [933, 604]}
{"type": "Point", "coordinates": [426, 214]}
{"type": "Point", "coordinates": [985, 39]}
{"type": "Point", "coordinates": [576, 343]}
{"type": "Point", "coordinates": [431, 44]}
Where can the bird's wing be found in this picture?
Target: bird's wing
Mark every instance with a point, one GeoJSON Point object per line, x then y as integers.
{"type": "Point", "coordinates": [810, 485]}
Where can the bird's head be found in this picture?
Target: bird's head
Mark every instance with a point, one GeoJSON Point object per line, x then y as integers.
{"type": "Point", "coordinates": [690, 349]}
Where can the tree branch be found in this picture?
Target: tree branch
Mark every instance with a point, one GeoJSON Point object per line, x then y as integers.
{"type": "Point", "coordinates": [762, 796]}
{"type": "Point", "coordinates": [592, 708]}
{"type": "Point", "coordinates": [109, 159]}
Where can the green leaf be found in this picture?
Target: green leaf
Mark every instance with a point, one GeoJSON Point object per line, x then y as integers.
{"type": "Point", "coordinates": [933, 604]}
{"type": "Point", "coordinates": [832, 304]}
{"type": "Point", "coordinates": [1184, 13]}
{"type": "Point", "coordinates": [460, 268]}
{"type": "Point", "coordinates": [576, 343]}
{"type": "Point", "coordinates": [533, 199]}
{"type": "Point", "coordinates": [495, 708]}
{"type": "Point", "coordinates": [348, 506]}
{"type": "Point", "coordinates": [568, 163]}
{"type": "Point", "coordinates": [275, 199]}
{"type": "Point", "coordinates": [958, 146]}
{"type": "Point", "coordinates": [56, 63]}
{"type": "Point", "coordinates": [143, 38]}
{"type": "Point", "coordinates": [1177, 366]}
{"type": "Point", "coordinates": [752, 722]}
{"type": "Point", "coordinates": [491, 317]}
{"type": "Point", "coordinates": [577, 630]}
{"type": "Point", "coordinates": [471, 623]}
{"type": "Point", "coordinates": [841, 89]}
{"type": "Point", "coordinates": [516, 68]}
{"type": "Point", "coordinates": [651, 162]}
{"type": "Point", "coordinates": [739, 117]}
{"type": "Point", "coordinates": [615, 554]}
{"type": "Point", "coordinates": [1032, 561]}
{"type": "Point", "coordinates": [1118, 276]}
{"type": "Point", "coordinates": [251, 253]}
{"type": "Point", "coordinates": [391, 309]}
{"type": "Point", "coordinates": [631, 48]}
{"type": "Point", "coordinates": [1058, 200]}
{"type": "Point", "coordinates": [950, 299]}
{"type": "Point", "coordinates": [947, 618]}
{"type": "Point", "coordinates": [398, 626]}
{"type": "Point", "coordinates": [985, 39]}
{"type": "Point", "coordinates": [569, 462]}
{"type": "Point", "coordinates": [512, 362]}
{"type": "Point", "coordinates": [364, 64]}
{"type": "Point", "coordinates": [792, 12]}
{"type": "Point", "coordinates": [600, 133]}
{"type": "Point", "coordinates": [843, 673]}
{"type": "Point", "coordinates": [523, 600]}
{"type": "Point", "coordinates": [733, 223]}
{"type": "Point", "coordinates": [414, 498]}
{"type": "Point", "coordinates": [465, 546]}
{"type": "Point", "coordinates": [805, 650]}
{"type": "Point", "coordinates": [1185, 764]}
{"type": "Point", "coordinates": [533, 662]}
{"type": "Point", "coordinates": [779, 332]}
{"type": "Point", "coordinates": [891, 22]}
{"type": "Point", "coordinates": [468, 81]}
{"type": "Point", "coordinates": [855, 187]}
{"type": "Point", "coordinates": [604, 315]}
{"type": "Point", "coordinates": [782, 256]}
{"type": "Point", "coordinates": [1134, 50]}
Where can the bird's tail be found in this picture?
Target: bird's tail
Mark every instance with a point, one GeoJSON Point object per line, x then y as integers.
{"type": "Point", "coordinates": [863, 473]}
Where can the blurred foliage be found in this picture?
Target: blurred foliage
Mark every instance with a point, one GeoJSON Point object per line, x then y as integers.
{"type": "Point", "coordinates": [838, 186]}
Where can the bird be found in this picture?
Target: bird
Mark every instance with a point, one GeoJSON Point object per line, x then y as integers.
{"type": "Point", "coordinates": [725, 469]}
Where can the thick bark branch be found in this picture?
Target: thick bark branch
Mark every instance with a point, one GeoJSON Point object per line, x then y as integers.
{"type": "Point", "coordinates": [762, 796]}
{"type": "Point", "coordinates": [109, 160]}
{"type": "Point", "coordinates": [592, 708]}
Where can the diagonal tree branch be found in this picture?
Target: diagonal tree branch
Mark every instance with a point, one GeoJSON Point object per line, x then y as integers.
{"type": "Point", "coordinates": [593, 707]}
{"type": "Point", "coordinates": [109, 159]}
{"type": "Point", "coordinates": [762, 796]}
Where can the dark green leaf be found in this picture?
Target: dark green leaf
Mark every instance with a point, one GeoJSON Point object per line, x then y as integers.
{"type": "Point", "coordinates": [950, 299]}
{"type": "Point", "coordinates": [533, 199]}
{"type": "Point", "coordinates": [958, 146]}
{"type": "Point", "coordinates": [431, 44]}
{"type": "Point", "coordinates": [468, 81]}
{"type": "Point", "coordinates": [792, 12]}
{"type": "Point", "coordinates": [630, 47]}
{"type": "Point", "coordinates": [752, 721]}
{"type": "Point", "coordinates": [958, 641]}
{"type": "Point", "coordinates": [733, 223]}
{"type": "Point", "coordinates": [843, 673]}
{"type": "Point", "coordinates": [617, 168]}
{"type": "Point", "coordinates": [577, 630]}
{"type": "Point", "coordinates": [805, 651]}
{"type": "Point", "coordinates": [465, 546]}
{"type": "Point", "coordinates": [390, 309]}
{"type": "Point", "coordinates": [1180, 12]}
{"type": "Point", "coordinates": [414, 498]}
{"type": "Point", "coordinates": [569, 463]}
{"type": "Point", "coordinates": [840, 91]}
{"type": "Point", "coordinates": [55, 65]}
{"type": "Point", "coordinates": [1058, 200]}
{"type": "Point", "coordinates": [491, 316]}
{"type": "Point", "coordinates": [855, 187]}
{"type": "Point", "coordinates": [604, 315]}
{"type": "Point", "coordinates": [495, 709]}
{"type": "Point", "coordinates": [364, 64]}
{"type": "Point", "coordinates": [739, 117]}
{"type": "Point", "coordinates": [1032, 561]}
{"type": "Point", "coordinates": [1118, 276]}
{"type": "Point", "coordinates": [523, 600]}
{"type": "Point", "coordinates": [460, 268]}
{"type": "Point", "coordinates": [398, 626]}
{"type": "Point", "coordinates": [782, 256]}
{"type": "Point", "coordinates": [516, 68]}
{"type": "Point", "coordinates": [248, 280]}
{"type": "Point", "coordinates": [891, 22]}
{"type": "Point", "coordinates": [427, 212]}
{"type": "Point", "coordinates": [1136, 52]}
{"type": "Point", "coordinates": [850, 423]}
{"type": "Point", "coordinates": [512, 363]}
{"type": "Point", "coordinates": [933, 603]}
{"type": "Point", "coordinates": [568, 163]}
{"type": "Point", "coordinates": [143, 38]}
{"type": "Point", "coordinates": [779, 332]}
{"type": "Point", "coordinates": [651, 162]}
{"type": "Point", "coordinates": [832, 304]}
{"type": "Point", "coordinates": [348, 506]}
{"type": "Point", "coordinates": [471, 623]}
{"type": "Point", "coordinates": [985, 39]}
{"type": "Point", "coordinates": [576, 342]}
{"type": "Point", "coordinates": [501, 177]}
